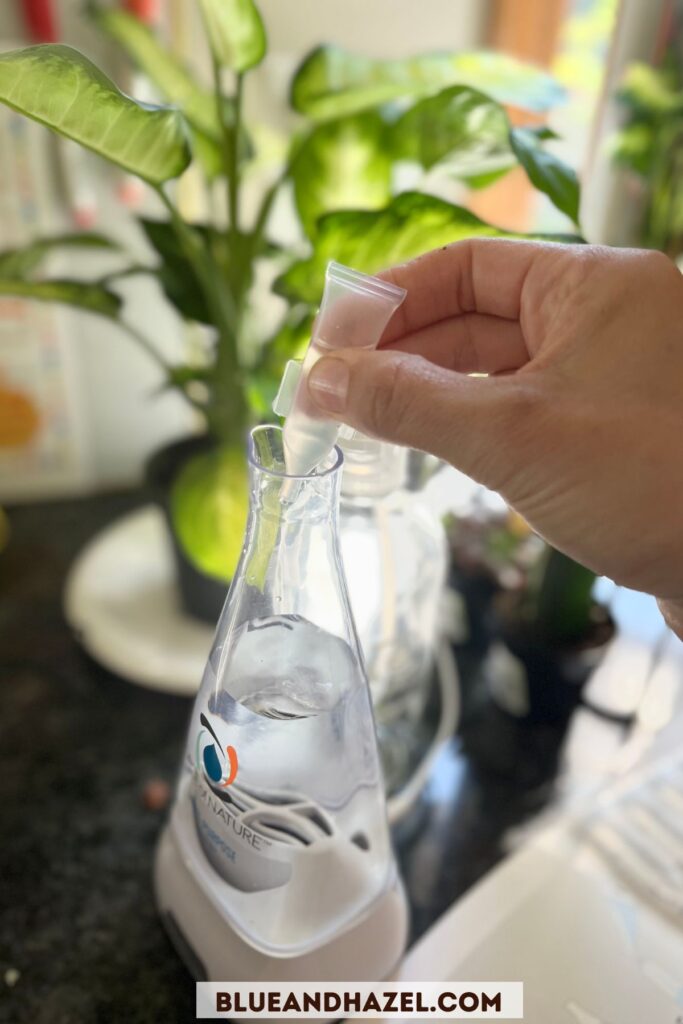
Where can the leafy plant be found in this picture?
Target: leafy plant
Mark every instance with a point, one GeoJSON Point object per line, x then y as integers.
{"type": "Point", "coordinates": [560, 599]}
{"type": "Point", "coordinates": [553, 600]}
{"type": "Point", "coordinates": [650, 144]}
{"type": "Point", "coordinates": [359, 118]}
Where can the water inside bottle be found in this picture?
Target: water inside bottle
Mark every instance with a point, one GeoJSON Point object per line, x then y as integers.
{"type": "Point", "coordinates": [306, 802]}
{"type": "Point", "coordinates": [284, 667]}
{"type": "Point", "coordinates": [290, 697]}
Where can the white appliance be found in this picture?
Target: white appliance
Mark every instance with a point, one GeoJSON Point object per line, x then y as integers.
{"type": "Point", "coordinates": [588, 915]}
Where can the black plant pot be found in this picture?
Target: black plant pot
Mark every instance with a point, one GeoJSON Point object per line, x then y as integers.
{"type": "Point", "coordinates": [201, 595]}
{"type": "Point", "coordinates": [537, 681]}
{"type": "Point", "coordinates": [477, 588]}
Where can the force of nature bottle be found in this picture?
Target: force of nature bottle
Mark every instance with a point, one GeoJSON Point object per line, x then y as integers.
{"type": "Point", "coordinates": [395, 558]}
{"type": "Point", "coordinates": [279, 822]}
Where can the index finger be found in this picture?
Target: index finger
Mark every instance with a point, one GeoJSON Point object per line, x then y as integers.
{"type": "Point", "coordinates": [478, 275]}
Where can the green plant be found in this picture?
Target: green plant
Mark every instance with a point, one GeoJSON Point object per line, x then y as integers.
{"type": "Point", "coordinates": [650, 144]}
{"type": "Point", "coordinates": [553, 594]}
{"type": "Point", "coordinates": [358, 119]}
{"type": "Point", "coordinates": [558, 604]}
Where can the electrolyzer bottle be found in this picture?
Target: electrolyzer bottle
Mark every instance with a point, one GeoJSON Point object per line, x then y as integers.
{"type": "Point", "coordinates": [276, 863]}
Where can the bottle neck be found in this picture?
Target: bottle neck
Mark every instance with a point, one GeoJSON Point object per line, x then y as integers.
{"type": "Point", "coordinates": [291, 564]}
{"type": "Point", "coordinates": [289, 499]}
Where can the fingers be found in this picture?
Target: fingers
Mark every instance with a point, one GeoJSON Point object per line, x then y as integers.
{"type": "Point", "coordinates": [471, 422]}
{"type": "Point", "coordinates": [482, 275]}
{"type": "Point", "coordinates": [471, 343]}
{"type": "Point", "coordinates": [673, 615]}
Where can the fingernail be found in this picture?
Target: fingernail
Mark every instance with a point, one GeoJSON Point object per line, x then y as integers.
{"type": "Point", "coordinates": [328, 383]}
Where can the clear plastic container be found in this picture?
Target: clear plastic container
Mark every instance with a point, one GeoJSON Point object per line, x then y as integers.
{"type": "Point", "coordinates": [280, 812]}
{"type": "Point", "coordinates": [354, 311]}
{"type": "Point", "coordinates": [395, 557]}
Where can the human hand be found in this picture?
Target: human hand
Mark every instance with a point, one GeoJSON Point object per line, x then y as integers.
{"type": "Point", "coordinates": [579, 425]}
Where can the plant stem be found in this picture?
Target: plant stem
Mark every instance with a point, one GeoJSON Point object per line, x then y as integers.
{"type": "Point", "coordinates": [120, 275]}
{"type": "Point", "coordinates": [227, 133]}
{"type": "Point", "coordinates": [265, 208]}
{"type": "Point", "coordinates": [227, 411]}
{"type": "Point", "coordinates": [154, 354]}
{"type": "Point", "coordinates": [227, 369]}
{"type": "Point", "coordinates": [210, 277]}
{"type": "Point", "coordinates": [145, 344]}
{"type": "Point", "coordinates": [234, 166]}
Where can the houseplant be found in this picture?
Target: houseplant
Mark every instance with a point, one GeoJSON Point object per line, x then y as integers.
{"type": "Point", "coordinates": [650, 146]}
{"type": "Point", "coordinates": [534, 631]}
{"type": "Point", "coordinates": [359, 118]}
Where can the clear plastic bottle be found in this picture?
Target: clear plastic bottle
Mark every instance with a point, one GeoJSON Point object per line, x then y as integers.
{"type": "Point", "coordinates": [280, 814]}
{"type": "Point", "coordinates": [395, 557]}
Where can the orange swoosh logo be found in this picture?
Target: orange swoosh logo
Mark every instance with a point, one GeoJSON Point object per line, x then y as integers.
{"type": "Point", "coordinates": [234, 765]}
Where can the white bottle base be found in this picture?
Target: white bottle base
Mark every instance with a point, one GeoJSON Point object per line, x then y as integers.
{"type": "Point", "coordinates": [368, 951]}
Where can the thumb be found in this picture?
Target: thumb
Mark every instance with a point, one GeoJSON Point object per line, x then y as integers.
{"type": "Point", "coordinates": [478, 424]}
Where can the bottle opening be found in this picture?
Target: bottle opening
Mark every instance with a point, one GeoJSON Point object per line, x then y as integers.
{"type": "Point", "coordinates": [267, 454]}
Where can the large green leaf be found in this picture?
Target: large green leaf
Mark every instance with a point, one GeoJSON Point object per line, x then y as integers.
{"type": "Point", "coordinates": [370, 240]}
{"type": "Point", "coordinates": [232, 257]}
{"type": "Point", "coordinates": [22, 262]}
{"type": "Point", "coordinates": [176, 274]}
{"type": "Point", "coordinates": [343, 164]}
{"type": "Point", "coordinates": [332, 82]}
{"type": "Point", "coordinates": [62, 89]}
{"type": "Point", "coordinates": [169, 74]}
{"type": "Point", "coordinates": [235, 31]}
{"type": "Point", "coordinates": [91, 297]}
{"type": "Point", "coordinates": [547, 172]}
{"type": "Point", "coordinates": [461, 126]}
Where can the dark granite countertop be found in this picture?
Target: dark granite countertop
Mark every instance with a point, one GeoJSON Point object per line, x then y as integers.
{"type": "Point", "coordinates": [77, 744]}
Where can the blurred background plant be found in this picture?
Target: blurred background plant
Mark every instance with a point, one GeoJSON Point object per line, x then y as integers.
{"type": "Point", "coordinates": [650, 145]}
{"type": "Point", "coordinates": [549, 595]}
{"type": "Point", "coordinates": [361, 123]}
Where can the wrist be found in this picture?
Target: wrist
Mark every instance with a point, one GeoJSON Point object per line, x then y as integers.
{"type": "Point", "coordinates": [672, 610]}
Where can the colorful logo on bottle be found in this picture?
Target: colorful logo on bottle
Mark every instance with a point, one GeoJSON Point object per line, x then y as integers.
{"type": "Point", "coordinates": [220, 763]}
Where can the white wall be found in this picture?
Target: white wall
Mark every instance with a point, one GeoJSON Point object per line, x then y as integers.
{"type": "Point", "coordinates": [378, 28]}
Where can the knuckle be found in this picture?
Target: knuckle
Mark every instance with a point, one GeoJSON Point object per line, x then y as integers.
{"type": "Point", "coordinates": [657, 262]}
{"type": "Point", "coordinates": [389, 399]}
{"type": "Point", "coordinates": [664, 271]}
{"type": "Point", "coordinates": [520, 412]}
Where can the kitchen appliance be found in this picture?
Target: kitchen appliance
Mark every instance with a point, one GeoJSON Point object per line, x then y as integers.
{"type": "Point", "coordinates": [276, 862]}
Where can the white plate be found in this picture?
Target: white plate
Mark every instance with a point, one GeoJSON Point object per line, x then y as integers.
{"type": "Point", "coordinates": [121, 600]}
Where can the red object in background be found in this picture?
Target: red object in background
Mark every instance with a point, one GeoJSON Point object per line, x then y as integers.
{"type": "Point", "coordinates": [148, 11]}
{"type": "Point", "coordinates": [41, 20]}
